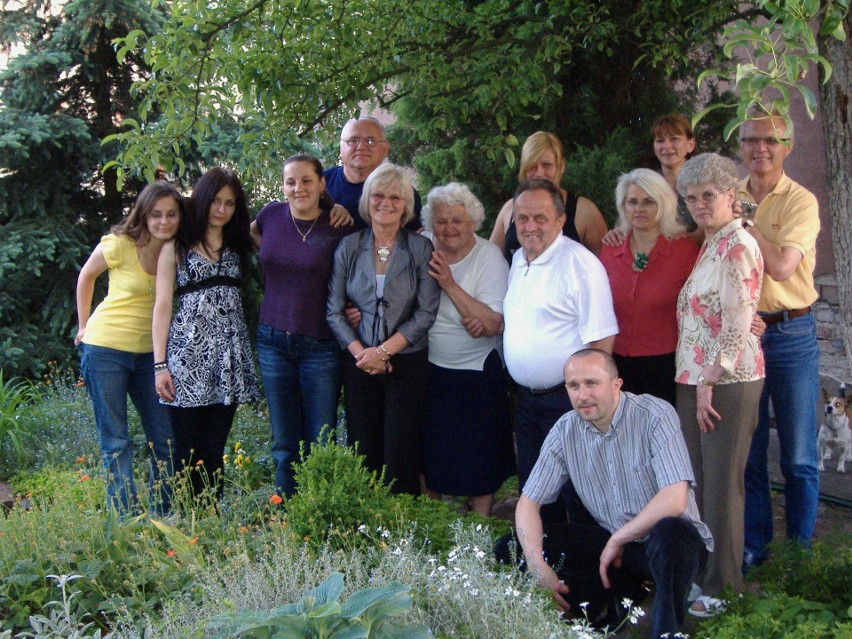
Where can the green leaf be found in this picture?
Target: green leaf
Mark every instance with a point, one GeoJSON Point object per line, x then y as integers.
{"type": "Point", "coordinates": [703, 112]}
{"type": "Point", "coordinates": [393, 595]}
{"type": "Point", "coordinates": [731, 126]}
{"type": "Point", "coordinates": [510, 157]}
{"type": "Point", "coordinates": [809, 99]}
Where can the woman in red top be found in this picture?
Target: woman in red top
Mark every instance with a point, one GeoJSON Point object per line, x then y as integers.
{"type": "Point", "coordinates": [646, 274]}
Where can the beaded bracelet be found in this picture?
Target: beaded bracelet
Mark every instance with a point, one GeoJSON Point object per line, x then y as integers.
{"type": "Point", "coordinates": [379, 353]}
{"type": "Point", "coordinates": [382, 346]}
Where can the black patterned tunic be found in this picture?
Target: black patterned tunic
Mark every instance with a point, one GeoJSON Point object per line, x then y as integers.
{"type": "Point", "coordinates": [209, 353]}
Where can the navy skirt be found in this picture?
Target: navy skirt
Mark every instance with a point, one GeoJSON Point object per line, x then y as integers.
{"type": "Point", "coordinates": [467, 434]}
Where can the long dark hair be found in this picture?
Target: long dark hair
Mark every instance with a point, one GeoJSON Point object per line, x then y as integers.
{"type": "Point", "coordinates": [193, 229]}
{"type": "Point", "coordinates": [135, 225]}
{"type": "Point", "coordinates": [326, 202]}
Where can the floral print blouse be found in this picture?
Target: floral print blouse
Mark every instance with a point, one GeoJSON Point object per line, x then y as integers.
{"type": "Point", "coordinates": [715, 308]}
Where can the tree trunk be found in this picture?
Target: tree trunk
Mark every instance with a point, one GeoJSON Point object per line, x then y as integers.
{"type": "Point", "coordinates": [837, 127]}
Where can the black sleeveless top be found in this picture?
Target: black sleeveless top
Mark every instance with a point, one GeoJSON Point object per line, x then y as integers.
{"type": "Point", "coordinates": [512, 243]}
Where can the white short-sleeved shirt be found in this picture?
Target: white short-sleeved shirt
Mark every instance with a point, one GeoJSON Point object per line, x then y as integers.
{"type": "Point", "coordinates": [483, 274]}
{"type": "Point", "coordinates": [554, 306]}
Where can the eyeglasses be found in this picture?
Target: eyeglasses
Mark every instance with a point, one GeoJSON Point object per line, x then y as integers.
{"type": "Point", "coordinates": [706, 197]}
{"type": "Point", "coordinates": [768, 141]}
{"type": "Point", "coordinates": [354, 143]}
{"type": "Point", "coordinates": [378, 198]}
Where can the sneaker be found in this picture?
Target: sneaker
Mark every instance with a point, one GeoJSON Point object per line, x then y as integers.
{"type": "Point", "coordinates": [706, 607]}
{"type": "Point", "coordinates": [694, 593]}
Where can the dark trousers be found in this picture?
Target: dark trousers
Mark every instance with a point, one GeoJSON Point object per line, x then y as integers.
{"type": "Point", "coordinates": [535, 415]}
{"type": "Point", "coordinates": [201, 433]}
{"type": "Point", "coordinates": [384, 417]}
{"type": "Point", "coordinates": [671, 556]}
{"type": "Point", "coordinates": [648, 375]}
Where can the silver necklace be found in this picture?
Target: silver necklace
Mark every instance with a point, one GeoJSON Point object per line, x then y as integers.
{"type": "Point", "coordinates": [384, 253]}
{"type": "Point", "coordinates": [299, 231]}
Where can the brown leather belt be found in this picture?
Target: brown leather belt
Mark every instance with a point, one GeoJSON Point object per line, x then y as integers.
{"type": "Point", "coordinates": [782, 316]}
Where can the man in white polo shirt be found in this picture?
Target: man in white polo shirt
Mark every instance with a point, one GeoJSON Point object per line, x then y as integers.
{"type": "Point", "coordinates": [558, 303]}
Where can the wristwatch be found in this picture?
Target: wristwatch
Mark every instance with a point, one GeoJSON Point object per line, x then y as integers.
{"type": "Point", "coordinates": [704, 380]}
{"type": "Point", "coordinates": [747, 222]}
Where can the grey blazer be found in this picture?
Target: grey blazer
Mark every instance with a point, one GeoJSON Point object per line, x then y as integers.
{"type": "Point", "coordinates": [410, 299]}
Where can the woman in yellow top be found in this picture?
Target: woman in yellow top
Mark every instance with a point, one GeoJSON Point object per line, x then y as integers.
{"type": "Point", "coordinates": [117, 350]}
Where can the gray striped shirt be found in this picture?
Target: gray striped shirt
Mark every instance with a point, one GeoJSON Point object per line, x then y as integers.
{"type": "Point", "coordinates": [618, 472]}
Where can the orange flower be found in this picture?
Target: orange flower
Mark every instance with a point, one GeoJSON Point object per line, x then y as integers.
{"type": "Point", "coordinates": [85, 477]}
{"type": "Point", "coordinates": [192, 541]}
{"type": "Point", "coordinates": [80, 384]}
{"type": "Point", "coordinates": [243, 530]}
{"type": "Point", "coordinates": [80, 459]}
{"type": "Point", "coordinates": [200, 462]}
{"type": "Point", "coordinates": [275, 500]}
{"type": "Point", "coordinates": [171, 553]}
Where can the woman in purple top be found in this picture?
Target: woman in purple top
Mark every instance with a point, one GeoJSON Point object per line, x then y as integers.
{"type": "Point", "coordinates": [299, 357]}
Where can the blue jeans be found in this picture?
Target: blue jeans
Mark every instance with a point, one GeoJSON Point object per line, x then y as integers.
{"type": "Point", "coordinates": [301, 378]}
{"type": "Point", "coordinates": [110, 376]}
{"type": "Point", "coordinates": [792, 383]}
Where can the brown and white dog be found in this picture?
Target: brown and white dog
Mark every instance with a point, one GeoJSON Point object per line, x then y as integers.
{"type": "Point", "coordinates": [835, 433]}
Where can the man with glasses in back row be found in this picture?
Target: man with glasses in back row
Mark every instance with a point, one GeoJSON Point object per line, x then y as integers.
{"type": "Point", "coordinates": [785, 226]}
{"type": "Point", "coordinates": [363, 147]}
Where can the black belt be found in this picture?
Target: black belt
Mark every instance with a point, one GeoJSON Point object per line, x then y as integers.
{"type": "Point", "coordinates": [545, 391]}
{"type": "Point", "coordinates": [782, 316]}
{"type": "Point", "coordinates": [210, 282]}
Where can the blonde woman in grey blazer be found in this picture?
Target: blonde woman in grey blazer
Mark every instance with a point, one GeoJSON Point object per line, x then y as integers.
{"type": "Point", "coordinates": [383, 272]}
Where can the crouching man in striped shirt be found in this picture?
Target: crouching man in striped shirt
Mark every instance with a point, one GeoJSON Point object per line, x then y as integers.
{"type": "Point", "coordinates": [629, 465]}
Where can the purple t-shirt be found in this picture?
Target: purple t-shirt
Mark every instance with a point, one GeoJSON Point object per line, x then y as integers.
{"type": "Point", "coordinates": [296, 271]}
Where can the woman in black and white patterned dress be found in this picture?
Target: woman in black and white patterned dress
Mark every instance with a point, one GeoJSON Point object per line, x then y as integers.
{"type": "Point", "coordinates": [204, 365]}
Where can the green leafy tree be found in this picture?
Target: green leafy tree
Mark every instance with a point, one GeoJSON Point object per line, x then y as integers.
{"type": "Point", "coordinates": [58, 99]}
{"type": "Point", "coordinates": [476, 77]}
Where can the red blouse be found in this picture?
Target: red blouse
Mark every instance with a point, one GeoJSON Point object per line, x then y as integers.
{"type": "Point", "coordinates": [646, 301]}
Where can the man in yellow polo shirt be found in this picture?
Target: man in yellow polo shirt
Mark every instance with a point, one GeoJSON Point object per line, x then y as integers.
{"type": "Point", "coordinates": [785, 226]}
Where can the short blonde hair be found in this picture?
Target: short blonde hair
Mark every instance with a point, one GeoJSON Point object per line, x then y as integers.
{"type": "Point", "coordinates": [452, 194]}
{"type": "Point", "coordinates": [387, 175]}
{"type": "Point", "coordinates": [535, 146]}
{"type": "Point", "coordinates": [658, 189]}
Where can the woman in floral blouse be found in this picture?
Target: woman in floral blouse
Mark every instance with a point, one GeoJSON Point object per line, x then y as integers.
{"type": "Point", "coordinates": [719, 365]}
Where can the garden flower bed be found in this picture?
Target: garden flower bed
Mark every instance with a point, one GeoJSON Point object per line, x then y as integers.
{"type": "Point", "coordinates": [342, 556]}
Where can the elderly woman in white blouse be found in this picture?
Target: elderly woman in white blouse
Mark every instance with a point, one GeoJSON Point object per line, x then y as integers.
{"type": "Point", "coordinates": [467, 437]}
{"type": "Point", "coordinates": [719, 365]}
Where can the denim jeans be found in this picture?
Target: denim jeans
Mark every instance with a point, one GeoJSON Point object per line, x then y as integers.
{"type": "Point", "coordinates": [672, 555]}
{"type": "Point", "coordinates": [301, 378]}
{"type": "Point", "coordinates": [792, 383]}
{"type": "Point", "coordinates": [110, 376]}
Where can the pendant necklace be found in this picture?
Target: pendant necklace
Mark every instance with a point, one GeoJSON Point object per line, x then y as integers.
{"type": "Point", "coordinates": [384, 253]}
{"type": "Point", "coordinates": [298, 230]}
